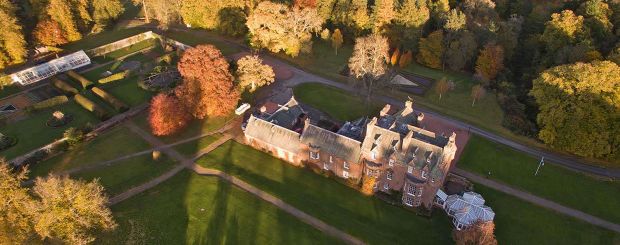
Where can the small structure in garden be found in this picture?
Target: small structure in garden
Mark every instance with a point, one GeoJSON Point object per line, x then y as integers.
{"type": "Point", "coordinates": [6, 141]}
{"type": "Point", "coordinates": [466, 209]}
{"type": "Point", "coordinates": [58, 119]}
{"type": "Point", "coordinates": [51, 68]}
{"type": "Point", "coordinates": [161, 78]}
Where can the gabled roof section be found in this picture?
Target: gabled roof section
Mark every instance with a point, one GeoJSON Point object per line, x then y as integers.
{"type": "Point", "coordinates": [273, 134]}
{"type": "Point", "coordinates": [287, 115]}
{"type": "Point", "coordinates": [332, 143]}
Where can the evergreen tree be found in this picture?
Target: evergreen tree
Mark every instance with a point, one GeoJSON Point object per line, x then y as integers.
{"type": "Point", "coordinates": [12, 43]}
{"type": "Point", "coordinates": [104, 11]}
{"type": "Point", "coordinates": [382, 14]}
{"type": "Point", "coordinates": [60, 12]}
{"type": "Point", "coordinates": [431, 50]}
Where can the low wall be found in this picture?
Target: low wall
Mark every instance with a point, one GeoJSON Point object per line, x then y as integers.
{"type": "Point", "coordinates": [123, 43]}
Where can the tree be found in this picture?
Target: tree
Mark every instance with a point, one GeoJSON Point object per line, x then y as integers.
{"type": "Point", "coordinates": [337, 40]}
{"type": "Point", "coordinates": [277, 28]}
{"type": "Point", "coordinates": [442, 87]}
{"type": "Point", "coordinates": [413, 16]}
{"type": "Point", "coordinates": [325, 8]}
{"type": "Point", "coordinates": [405, 59]}
{"type": "Point", "coordinates": [368, 63]}
{"type": "Point", "coordinates": [597, 15]}
{"type": "Point", "coordinates": [49, 33]}
{"type": "Point", "coordinates": [383, 13]}
{"type": "Point", "coordinates": [455, 21]}
{"type": "Point", "coordinates": [232, 22]}
{"type": "Point", "coordinates": [368, 185]}
{"type": "Point", "coordinates": [305, 3]}
{"type": "Point", "coordinates": [164, 11]}
{"type": "Point", "coordinates": [579, 108]}
{"type": "Point", "coordinates": [207, 88]}
{"type": "Point", "coordinates": [17, 208]}
{"type": "Point", "coordinates": [60, 12]}
{"type": "Point", "coordinates": [12, 43]}
{"type": "Point", "coordinates": [431, 50]}
{"type": "Point", "coordinates": [480, 233]}
{"type": "Point", "coordinates": [251, 72]}
{"type": "Point", "coordinates": [490, 62]}
{"type": "Point", "coordinates": [74, 136]}
{"type": "Point", "coordinates": [460, 49]}
{"type": "Point", "coordinates": [564, 29]}
{"type": "Point", "coordinates": [508, 35]}
{"type": "Point", "coordinates": [211, 14]}
{"type": "Point", "coordinates": [167, 115]}
{"type": "Point", "coordinates": [104, 11]}
{"type": "Point", "coordinates": [477, 92]}
{"type": "Point", "coordinates": [325, 35]}
{"type": "Point", "coordinates": [71, 209]}
{"type": "Point", "coordinates": [359, 13]}
{"type": "Point", "coordinates": [395, 56]}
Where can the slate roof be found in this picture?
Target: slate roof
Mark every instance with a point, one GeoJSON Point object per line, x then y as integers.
{"type": "Point", "coordinates": [273, 134]}
{"type": "Point", "coordinates": [469, 208]}
{"type": "Point", "coordinates": [332, 143]}
{"type": "Point", "coordinates": [287, 115]}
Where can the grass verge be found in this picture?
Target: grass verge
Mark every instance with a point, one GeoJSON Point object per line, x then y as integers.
{"type": "Point", "coordinates": [337, 103]}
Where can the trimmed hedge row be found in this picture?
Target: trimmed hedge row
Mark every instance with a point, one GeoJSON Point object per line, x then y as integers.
{"type": "Point", "coordinates": [114, 77]}
{"type": "Point", "coordinates": [51, 102]}
{"type": "Point", "coordinates": [110, 99]}
{"type": "Point", "coordinates": [116, 64]}
{"type": "Point", "coordinates": [86, 84]}
{"type": "Point", "coordinates": [87, 104]}
{"type": "Point", "coordinates": [64, 87]}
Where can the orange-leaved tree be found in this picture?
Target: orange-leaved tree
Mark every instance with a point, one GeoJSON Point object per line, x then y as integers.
{"type": "Point", "coordinates": [167, 115]}
{"type": "Point", "coordinates": [49, 33]}
{"type": "Point", "coordinates": [207, 88]}
{"type": "Point", "coordinates": [478, 233]}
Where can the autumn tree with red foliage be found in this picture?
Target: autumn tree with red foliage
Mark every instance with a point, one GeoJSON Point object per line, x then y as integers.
{"type": "Point", "coordinates": [167, 115]}
{"type": "Point", "coordinates": [207, 88]}
{"type": "Point", "coordinates": [479, 233]}
{"type": "Point", "coordinates": [305, 3]}
{"type": "Point", "coordinates": [49, 33]}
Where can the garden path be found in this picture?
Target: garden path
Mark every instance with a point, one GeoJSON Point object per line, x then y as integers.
{"type": "Point", "coordinates": [190, 163]}
{"type": "Point", "coordinates": [538, 200]}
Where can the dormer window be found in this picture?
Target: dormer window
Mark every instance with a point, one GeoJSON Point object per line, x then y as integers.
{"type": "Point", "coordinates": [386, 185]}
{"type": "Point", "coordinates": [391, 162]}
{"type": "Point", "coordinates": [424, 175]}
{"type": "Point", "coordinates": [410, 169]}
{"type": "Point", "coordinates": [314, 155]}
{"type": "Point", "coordinates": [326, 166]}
{"type": "Point", "coordinates": [389, 174]}
{"type": "Point", "coordinates": [428, 159]}
{"type": "Point", "coordinates": [373, 155]}
{"type": "Point", "coordinates": [331, 160]}
{"type": "Point", "coordinates": [345, 165]}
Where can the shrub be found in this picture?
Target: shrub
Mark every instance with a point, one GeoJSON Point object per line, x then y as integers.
{"type": "Point", "coordinates": [64, 87]}
{"type": "Point", "coordinates": [110, 99]}
{"type": "Point", "coordinates": [58, 119]}
{"type": "Point", "coordinates": [36, 157]}
{"type": "Point", "coordinates": [166, 58]}
{"type": "Point", "coordinates": [74, 136]}
{"type": "Point", "coordinates": [116, 65]}
{"type": "Point", "coordinates": [51, 102]}
{"type": "Point", "coordinates": [114, 77]}
{"type": "Point", "coordinates": [86, 84]}
{"type": "Point", "coordinates": [6, 141]}
{"type": "Point", "coordinates": [87, 104]}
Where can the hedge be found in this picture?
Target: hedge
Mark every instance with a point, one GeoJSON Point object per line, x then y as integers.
{"type": "Point", "coordinates": [110, 99]}
{"type": "Point", "coordinates": [86, 84]}
{"type": "Point", "coordinates": [167, 58]}
{"type": "Point", "coordinates": [64, 86]}
{"type": "Point", "coordinates": [92, 107]}
{"type": "Point", "coordinates": [114, 77]}
{"type": "Point", "coordinates": [116, 65]}
{"type": "Point", "coordinates": [51, 102]}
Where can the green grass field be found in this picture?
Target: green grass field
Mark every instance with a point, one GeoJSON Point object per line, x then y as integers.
{"type": "Point", "coordinates": [190, 148]}
{"type": "Point", "coordinates": [96, 40]}
{"type": "Point", "coordinates": [32, 132]}
{"type": "Point", "coordinates": [194, 128]}
{"type": "Point", "coordinates": [519, 222]}
{"type": "Point", "coordinates": [118, 142]}
{"type": "Point", "coordinates": [197, 37]}
{"type": "Point", "coordinates": [192, 209]}
{"type": "Point", "coordinates": [323, 60]}
{"type": "Point", "coordinates": [339, 104]}
{"type": "Point", "coordinates": [588, 194]}
{"type": "Point", "coordinates": [123, 175]}
{"type": "Point", "coordinates": [368, 218]}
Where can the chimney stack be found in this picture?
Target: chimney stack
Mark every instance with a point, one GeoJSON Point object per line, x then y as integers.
{"type": "Point", "coordinates": [385, 110]}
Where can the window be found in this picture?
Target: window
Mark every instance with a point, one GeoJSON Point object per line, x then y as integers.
{"type": "Point", "coordinates": [386, 186]}
{"type": "Point", "coordinates": [376, 185]}
{"type": "Point", "coordinates": [409, 169]}
{"type": "Point", "coordinates": [410, 190]}
{"type": "Point", "coordinates": [326, 166]}
{"type": "Point", "coordinates": [345, 174]}
{"type": "Point", "coordinates": [433, 179]}
{"type": "Point", "coordinates": [331, 159]}
{"type": "Point", "coordinates": [345, 165]}
{"type": "Point", "coordinates": [390, 174]}
{"type": "Point", "coordinates": [409, 201]}
{"type": "Point", "coordinates": [314, 155]}
{"type": "Point", "coordinates": [373, 155]}
{"type": "Point", "coordinates": [391, 163]}
{"type": "Point", "coordinates": [424, 174]}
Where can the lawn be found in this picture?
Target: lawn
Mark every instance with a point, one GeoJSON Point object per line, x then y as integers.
{"type": "Point", "coordinates": [152, 43]}
{"type": "Point", "coordinates": [190, 148]}
{"type": "Point", "coordinates": [519, 222]}
{"type": "Point", "coordinates": [192, 209]}
{"type": "Point", "coordinates": [337, 103]}
{"type": "Point", "coordinates": [96, 40]}
{"type": "Point", "coordinates": [197, 37]}
{"type": "Point", "coordinates": [9, 90]}
{"type": "Point", "coordinates": [32, 132]}
{"type": "Point", "coordinates": [323, 60]}
{"type": "Point", "coordinates": [118, 142]}
{"type": "Point", "coordinates": [597, 197]}
{"type": "Point", "coordinates": [368, 218]}
{"type": "Point", "coordinates": [127, 90]}
{"type": "Point", "coordinates": [123, 175]}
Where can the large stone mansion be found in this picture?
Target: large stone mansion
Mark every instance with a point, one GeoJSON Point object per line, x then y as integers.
{"type": "Point", "coordinates": [393, 148]}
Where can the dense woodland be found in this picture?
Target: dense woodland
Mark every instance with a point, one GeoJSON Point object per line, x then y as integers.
{"type": "Point", "coordinates": [552, 64]}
